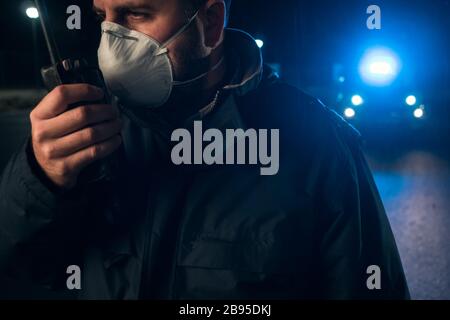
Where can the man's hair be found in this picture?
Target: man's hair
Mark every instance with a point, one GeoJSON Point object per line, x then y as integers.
{"type": "Point", "coordinates": [197, 3]}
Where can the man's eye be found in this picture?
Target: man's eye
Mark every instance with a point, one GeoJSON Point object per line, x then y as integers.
{"type": "Point", "coordinates": [137, 15]}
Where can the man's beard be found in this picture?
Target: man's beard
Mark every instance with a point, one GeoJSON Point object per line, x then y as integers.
{"type": "Point", "coordinates": [190, 59]}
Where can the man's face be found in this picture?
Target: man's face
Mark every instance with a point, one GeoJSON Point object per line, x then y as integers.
{"type": "Point", "coordinates": [160, 19]}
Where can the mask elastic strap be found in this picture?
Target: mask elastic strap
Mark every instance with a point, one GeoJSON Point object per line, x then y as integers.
{"type": "Point", "coordinates": [172, 38]}
{"type": "Point", "coordinates": [119, 35]}
{"type": "Point", "coordinates": [183, 83]}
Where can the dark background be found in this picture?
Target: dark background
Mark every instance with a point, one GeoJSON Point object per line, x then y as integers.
{"type": "Point", "coordinates": [311, 43]}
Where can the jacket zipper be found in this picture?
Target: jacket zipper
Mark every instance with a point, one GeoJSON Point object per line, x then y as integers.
{"type": "Point", "coordinates": [145, 274]}
{"type": "Point", "coordinates": [148, 228]}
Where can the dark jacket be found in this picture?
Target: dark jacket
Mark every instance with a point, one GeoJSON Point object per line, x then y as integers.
{"type": "Point", "coordinates": [211, 232]}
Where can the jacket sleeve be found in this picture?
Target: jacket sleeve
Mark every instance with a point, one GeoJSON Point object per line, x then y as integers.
{"type": "Point", "coordinates": [358, 256]}
{"type": "Point", "coordinates": [40, 227]}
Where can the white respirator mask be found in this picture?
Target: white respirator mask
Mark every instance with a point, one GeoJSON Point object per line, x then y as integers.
{"type": "Point", "coordinates": [136, 67]}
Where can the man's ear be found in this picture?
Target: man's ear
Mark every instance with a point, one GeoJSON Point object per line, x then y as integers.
{"type": "Point", "coordinates": [214, 22]}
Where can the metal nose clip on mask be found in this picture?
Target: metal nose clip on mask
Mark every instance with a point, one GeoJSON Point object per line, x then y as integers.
{"type": "Point", "coordinates": [136, 67]}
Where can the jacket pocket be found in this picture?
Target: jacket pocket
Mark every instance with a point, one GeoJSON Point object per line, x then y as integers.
{"type": "Point", "coordinates": [212, 253]}
{"type": "Point", "coordinates": [120, 269]}
{"type": "Point", "coordinates": [214, 269]}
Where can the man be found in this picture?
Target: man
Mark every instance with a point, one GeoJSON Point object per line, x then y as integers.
{"type": "Point", "coordinates": [157, 230]}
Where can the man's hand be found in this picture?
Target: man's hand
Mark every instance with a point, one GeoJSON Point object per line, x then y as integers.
{"type": "Point", "coordinates": [66, 141]}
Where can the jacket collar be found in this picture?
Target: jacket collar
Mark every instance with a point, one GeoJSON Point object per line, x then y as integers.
{"type": "Point", "coordinates": [245, 64]}
{"type": "Point", "coordinates": [246, 59]}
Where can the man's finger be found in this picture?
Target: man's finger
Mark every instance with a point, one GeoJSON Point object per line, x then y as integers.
{"type": "Point", "coordinates": [58, 100]}
{"type": "Point", "coordinates": [79, 118]}
{"type": "Point", "coordinates": [83, 158]}
{"type": "Point", "coordinates": [82, 139]}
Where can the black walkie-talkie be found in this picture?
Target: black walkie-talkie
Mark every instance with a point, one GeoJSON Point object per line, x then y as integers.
{"type": "Point", "coordinates": [71, 71]}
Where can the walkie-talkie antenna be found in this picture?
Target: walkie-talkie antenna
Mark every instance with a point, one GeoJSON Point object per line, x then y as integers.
{"type": "Point", "coordinates": [48, 34]}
